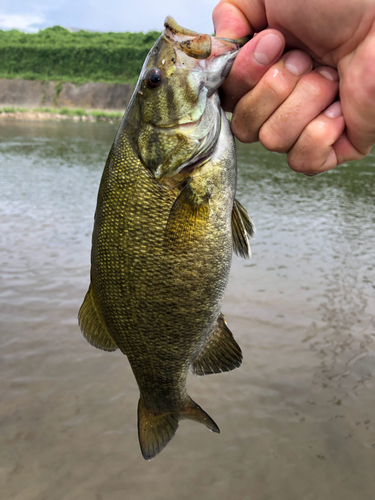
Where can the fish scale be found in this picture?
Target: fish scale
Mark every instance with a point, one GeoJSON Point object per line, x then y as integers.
{"type": "Point", "coordinates": [163, 238]}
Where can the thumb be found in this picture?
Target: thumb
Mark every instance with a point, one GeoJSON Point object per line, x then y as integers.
{"type": "Point", "coordinates": [232, 19]}
{"type": "Point", "coordinates": [357, 96]}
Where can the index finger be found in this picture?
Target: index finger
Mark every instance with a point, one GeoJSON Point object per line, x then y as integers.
{"type": "Point", "coordinates": [252, 62]}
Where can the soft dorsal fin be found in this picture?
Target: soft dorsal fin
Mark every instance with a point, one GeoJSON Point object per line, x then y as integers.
{"type": "Point", "coordinates": [188, 216]}
{"type": "Point", "coordinates": [221, 352]}
{"type": "Point", "coordinates": [92, 325]}
{"type": "Point", "coordinates": [242, 229]}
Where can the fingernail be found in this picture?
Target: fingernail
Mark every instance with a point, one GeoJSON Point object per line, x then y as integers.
{"type": "Point", "coordinates": [297, 62]}
{"type": "Point", "coordinates": [267, 49]}
{"type": "Point", "coordinates": [329, 73]}
{"type": "Point", "coordinates": [334, 110]}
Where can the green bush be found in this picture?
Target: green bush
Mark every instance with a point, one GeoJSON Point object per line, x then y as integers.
{"type": "Point", "coordinates": [57, 54]}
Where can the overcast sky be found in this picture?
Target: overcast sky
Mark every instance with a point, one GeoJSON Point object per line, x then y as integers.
{"type": "Point", "coordinates": [105, 15]}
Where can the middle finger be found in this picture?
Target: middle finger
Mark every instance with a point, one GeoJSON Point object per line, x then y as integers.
{"type": "Point", "coordinates": [255, 107]}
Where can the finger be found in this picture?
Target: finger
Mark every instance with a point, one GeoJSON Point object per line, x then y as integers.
{"type": "Point", "coordinates": [252, 62]}
{"type": "Point", "coordinates": [231, 19]}
{"type": "Point", "coordinates": [256, 107]}
{"type": "Point", "coordinates": [314, 152]}
{"type": "Point", "coordinates": [345, 151]}
{"type": "Point", "coordinates": [312, 94]}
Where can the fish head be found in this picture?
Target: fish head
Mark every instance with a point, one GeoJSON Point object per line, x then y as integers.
{"type": "Point", "coordinates": [179, 111]}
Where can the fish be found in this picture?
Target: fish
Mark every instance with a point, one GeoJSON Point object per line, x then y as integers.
{"type": "Point", "coordinates": [165, 227]}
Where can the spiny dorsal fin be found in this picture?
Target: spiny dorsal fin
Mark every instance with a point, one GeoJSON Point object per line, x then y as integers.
{"type": "Point", "coordinates": [92, 325]}
{"type": "Point", "coordinates": [188, 216]}
{"type": "Point", "coordinates": [156, 429]}
{"type": "Point", "coordinates": [242, 229]}
{"type": "Point", "coordinates": [221, 352]}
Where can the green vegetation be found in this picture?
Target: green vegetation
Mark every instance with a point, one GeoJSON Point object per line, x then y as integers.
{"type": "Point", "coordinates": [12, 109]}
{"type": "Point", "coordinates": [95, 114]}
{"type": "Point", "coordinates": [57, 54]}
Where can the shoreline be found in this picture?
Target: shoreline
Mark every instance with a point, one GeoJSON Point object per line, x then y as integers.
{"type": "Point", "coordinates": [60, 114]}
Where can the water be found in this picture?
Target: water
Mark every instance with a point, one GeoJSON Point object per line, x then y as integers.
{"type": "Point", "coordinates": [297, 420]}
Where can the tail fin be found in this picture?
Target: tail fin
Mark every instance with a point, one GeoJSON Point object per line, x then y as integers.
{"type": "Point", "coordinates": [155, 430]}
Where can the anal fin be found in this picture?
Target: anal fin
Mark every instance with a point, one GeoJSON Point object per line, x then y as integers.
{"type": "Point", "coordinates": [242, 229]}
{"type": "Point", "coordinates": [92, 325]}
{"type": "Point", "coordinates": [221, 352]}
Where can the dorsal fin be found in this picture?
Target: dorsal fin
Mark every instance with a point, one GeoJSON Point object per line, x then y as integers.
{"type": "Point", "coordinates": [221, 352]}
{"type": "Point", "coordinates": [242, 229]}
{"type": "Point", "coordinates": [92, 325]}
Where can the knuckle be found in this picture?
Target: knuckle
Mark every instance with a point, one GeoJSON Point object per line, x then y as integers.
{"type": "Point", "coordinates": [278, 88]}
{"type": "Point", "coordinates": [314, 87]}
{"type": "Point", "coordinates": [301, 163]}
{"type": "Point", "coordinates": [272, 137]}
{"type": "Point", "coordinates": [315, 133]}
{"type": "Point", "coordinates": [241, 128]}
{"type": "Point", "coordinates": [309, 154]}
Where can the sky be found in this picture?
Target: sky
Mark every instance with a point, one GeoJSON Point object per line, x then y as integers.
{"type": "Point", "coordinates": [105, 15]}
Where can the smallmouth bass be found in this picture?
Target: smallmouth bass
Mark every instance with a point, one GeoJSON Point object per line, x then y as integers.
{"type": "Point", "coordinates": [166, 224]}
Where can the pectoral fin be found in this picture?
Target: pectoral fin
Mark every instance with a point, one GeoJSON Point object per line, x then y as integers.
{"type": "Point", "coordinates": [221, 352]}
{"type": "Point", "coordinates": [242, 229]}
{"type": "Point", "coordinates": [188, 216]}
{"type": "Point", "coordinates": [92, 325]}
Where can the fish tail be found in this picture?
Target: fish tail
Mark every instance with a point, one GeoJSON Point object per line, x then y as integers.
{"type": "Point", "coordinates": [156, 429]}
{"type": "Point", "coordinates": [192, 411]}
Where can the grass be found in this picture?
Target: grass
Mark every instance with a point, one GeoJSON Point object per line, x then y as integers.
{"type": "Point", "coordinates": [97, 114]}
{"type": "Point", "coordinates": [56, 54]}
{"type": "Point", "coordinates": [13, 110]}
{"type": "Point", "coordinates": [77, 80]}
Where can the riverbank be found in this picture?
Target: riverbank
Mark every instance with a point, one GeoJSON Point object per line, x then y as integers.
{"type": "Point", "coordinates": [53, 94]}
{"type": "Point", "coordinates": [59, 55]}
{"type": "Point", "coordinates": [59, 114]}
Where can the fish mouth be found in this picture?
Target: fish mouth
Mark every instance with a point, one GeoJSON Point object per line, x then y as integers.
{"type": "Point", "coordinates": [199, 45]}
{"type": "Point", "coordinates": [212, 56]}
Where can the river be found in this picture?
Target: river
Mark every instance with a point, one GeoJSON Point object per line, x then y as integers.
{"type": "Point", "coordinates": [297, 419]}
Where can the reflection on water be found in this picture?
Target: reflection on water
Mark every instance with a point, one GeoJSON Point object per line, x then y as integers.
{"type": "Point", "coordinates": [297, 420]}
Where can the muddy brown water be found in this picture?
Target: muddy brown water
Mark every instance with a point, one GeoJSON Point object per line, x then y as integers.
{"type": "Point", "coordinates": [297, 419]}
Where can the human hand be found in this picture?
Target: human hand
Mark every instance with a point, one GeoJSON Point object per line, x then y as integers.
{"type": "Point", "coordinates": [293, 113]}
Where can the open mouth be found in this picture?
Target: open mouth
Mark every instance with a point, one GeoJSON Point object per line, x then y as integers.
{"type": "Point", "coordinates": [200, 46]}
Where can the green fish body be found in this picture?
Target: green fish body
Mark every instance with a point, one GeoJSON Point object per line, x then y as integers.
{"type": "Point", "coordinates": [166, 224]}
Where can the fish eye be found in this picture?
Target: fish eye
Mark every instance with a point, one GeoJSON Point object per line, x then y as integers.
{"type": "Point", "coordinates": [153, 78]}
